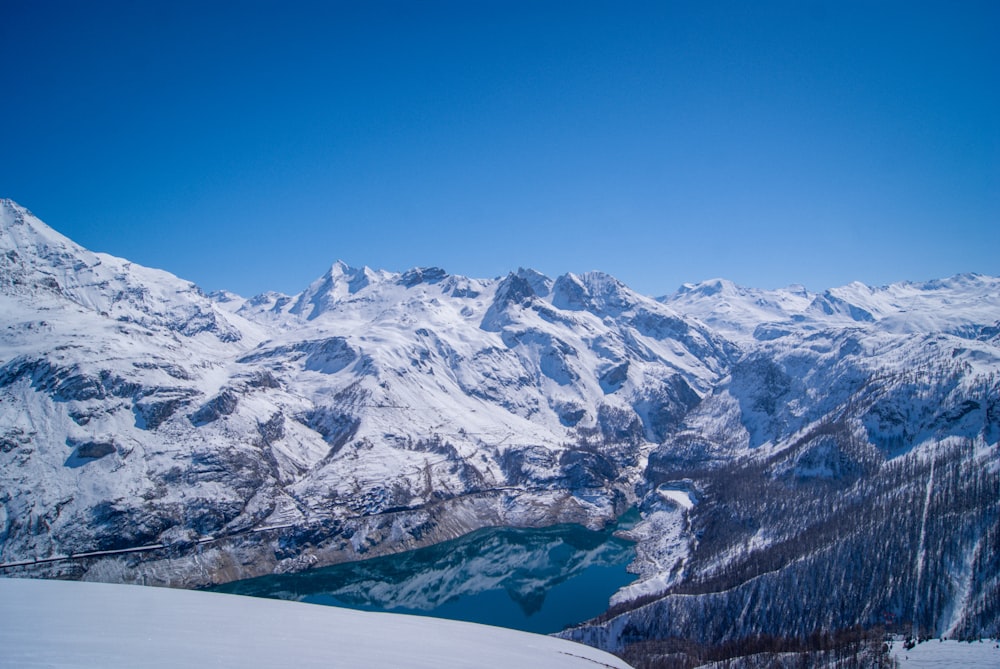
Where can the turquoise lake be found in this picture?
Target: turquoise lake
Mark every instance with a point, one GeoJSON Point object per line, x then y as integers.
{"type": "Point", "coordinates": [537, 580]}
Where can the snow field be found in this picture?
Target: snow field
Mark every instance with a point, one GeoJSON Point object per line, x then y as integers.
{"type": "Point", "coordinates": [64, 624]}
{"type": "Point", "coordinates": [936, 654]}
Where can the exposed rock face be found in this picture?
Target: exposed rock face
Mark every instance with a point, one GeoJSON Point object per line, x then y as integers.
{"type": "Point", "coordinates": [769, 438]}
{"type": "Point", "coordinates": [94, 449]}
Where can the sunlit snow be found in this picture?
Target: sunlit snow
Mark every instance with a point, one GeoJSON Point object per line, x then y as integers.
{"type": "Point", "coordinates": [79, 624]}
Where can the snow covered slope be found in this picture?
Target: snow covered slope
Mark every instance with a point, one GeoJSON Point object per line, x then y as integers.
{"type": "Point", "coordinates": [65, 624]}
{"type": "Point", "coordinates": [939, 654]}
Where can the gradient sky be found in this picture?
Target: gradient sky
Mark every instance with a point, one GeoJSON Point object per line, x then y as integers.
{"type": "Point", "coordinates": [249, 144]}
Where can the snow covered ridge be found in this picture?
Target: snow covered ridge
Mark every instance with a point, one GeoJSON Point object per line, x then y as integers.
{"type": "Point", "coordinates": [831, 458]}
{"type": "Point", "coordinates": [67, 624]}
{"type": "Point", "coordinates": [965, 305]}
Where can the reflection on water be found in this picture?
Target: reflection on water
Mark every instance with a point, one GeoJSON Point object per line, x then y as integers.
{"type": "Point", "coordinates": [538, 580]}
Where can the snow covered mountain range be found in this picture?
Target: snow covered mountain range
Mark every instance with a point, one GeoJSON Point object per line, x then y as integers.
{"type": "Point", "coordinates": [774, 441]}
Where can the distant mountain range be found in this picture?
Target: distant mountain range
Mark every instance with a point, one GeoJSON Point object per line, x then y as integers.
{"type": "Point", "coordinates": [803, 462]}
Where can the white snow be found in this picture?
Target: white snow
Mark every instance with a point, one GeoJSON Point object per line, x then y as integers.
{"type": "Point", "coordinates": [664, 542]}
{"type": "Point", "coordinates": [64, 624]}
{"type": "Point", "coordinates": [939, 654]}
{"type": "Point", "coordinates": [678, 497]}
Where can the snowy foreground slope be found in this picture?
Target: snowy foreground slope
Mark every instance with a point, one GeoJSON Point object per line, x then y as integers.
{"type": "Point", "coordinates": [803, 463]}
{"type": "Point", "coordinates": [70, 624]}
{"type": "Point", "coordinates": [937, 654]}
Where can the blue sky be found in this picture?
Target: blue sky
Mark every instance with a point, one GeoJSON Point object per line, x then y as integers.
{"type": "Point", "coordinates": [247, 145]}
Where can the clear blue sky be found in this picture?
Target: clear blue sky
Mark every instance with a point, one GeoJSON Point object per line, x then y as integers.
{"type": "Point", "coordinates": [249, 144]}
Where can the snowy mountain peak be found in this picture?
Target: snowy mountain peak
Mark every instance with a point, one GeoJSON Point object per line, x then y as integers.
{"type": "Point", "coordinates": [34, 253]}
{"type": "Point", "coordinates": [958, 281]}
{"type": "Point", "coordinates": [338, 283]}
{"type": "Point", "coordinates": [352, 279]}
{"type": "Point", "coordinates": [41, 264]}
{"type": "Point", "coordinates": [593, 291]}
{"type": "Point", "coordinates": [22, 230]}
{"type": "Point", "coordinates": [38, 260]}
{"type": "Point", "coordinates": [709, 288]}
{"type": "Point", "coordinates": [517, 288]}
{"type": "Point", "coordinates": [828, 304]}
